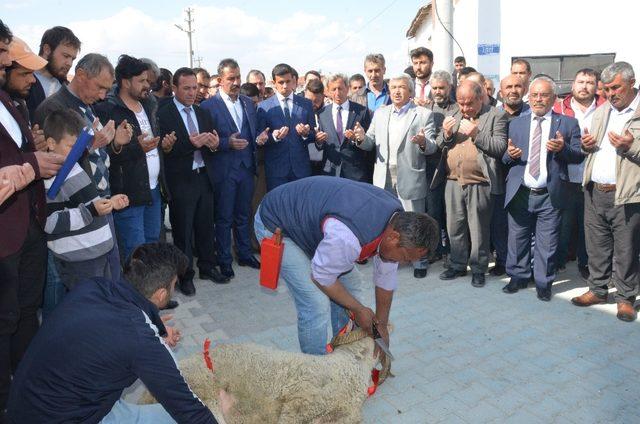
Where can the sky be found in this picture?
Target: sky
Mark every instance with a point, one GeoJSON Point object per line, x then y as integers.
{"type": "Point", "coordinates": [327, 35]}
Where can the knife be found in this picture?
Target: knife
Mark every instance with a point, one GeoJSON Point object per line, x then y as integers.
{"type": "Point", "coordinates": [380, 342]}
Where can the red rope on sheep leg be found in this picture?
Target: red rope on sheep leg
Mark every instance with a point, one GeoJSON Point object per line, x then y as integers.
{"type": "Point", "coordinates": [207, 357]}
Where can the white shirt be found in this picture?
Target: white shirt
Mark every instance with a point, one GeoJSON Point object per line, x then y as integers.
{"type": "Point", "coordinates": [289, 103]}
{"type": "Point", "coordinates": [397, 127]}
{"type": "Point", "coordinates": [10, 124]}
{"type": "Point", "coordinates": [419, 85]}
{"type": "Point", "coordinates": [604, 164]}
{"type": "Point", "coordinates": [339, 250]}
{"type": "Point", "coordinates": [198, 162]}
{"type": "Point", "coordinates": [584, 120]}
{"type": "Point", "coordinates": [50, 85]}
{"type": "Point", "coordinates": [541, 181]}
{"type": "Point", "coordinates": [153, 159]}
{"type": "Point", "coordinates": [234, 107]}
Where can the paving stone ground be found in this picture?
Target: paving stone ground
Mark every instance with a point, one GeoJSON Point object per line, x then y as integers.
{"type": "Point", "coordinates": [463, 354]}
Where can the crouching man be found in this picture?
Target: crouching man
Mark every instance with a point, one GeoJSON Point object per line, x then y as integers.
{"type": "Point", "coordinates": [100, 340]}
{"type": "Point", "coordinates": [328, 224]}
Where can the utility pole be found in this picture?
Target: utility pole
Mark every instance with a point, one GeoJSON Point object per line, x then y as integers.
{"type": "Point", "coordinates": [189, 32]}
{"type": "Point", "coordinates": [199, 61]}
{"type": "Point", "coordinates": [442, 34]}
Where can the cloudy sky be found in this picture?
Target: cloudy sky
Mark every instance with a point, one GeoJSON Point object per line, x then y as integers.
{"type": "Point", "coordinates": [330, 35]}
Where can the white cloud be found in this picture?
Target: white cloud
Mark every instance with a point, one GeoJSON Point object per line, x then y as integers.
{"type": "Point", "coordinates": [299, 38]}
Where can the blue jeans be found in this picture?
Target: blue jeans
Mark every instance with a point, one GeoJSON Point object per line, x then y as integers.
{"type": "Point", "coordinates": [124, 412]}
{"type": "Point", "coordinates": [53, 289]}
{"type": "Point", "coordinates": [137, 225]}
{"type": "Point", "coordinates": [314, 308]}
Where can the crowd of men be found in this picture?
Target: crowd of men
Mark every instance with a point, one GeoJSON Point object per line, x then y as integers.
{"type": "Point", "coordinates": [517, 176]}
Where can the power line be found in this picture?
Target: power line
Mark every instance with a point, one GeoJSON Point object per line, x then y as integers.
{"type": "Point", "coordinates": [353, 33]}
{"type": "Point", "coordinates": [435, 7]}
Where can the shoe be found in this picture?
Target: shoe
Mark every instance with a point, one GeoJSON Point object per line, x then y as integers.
{"type": "Point", "coordinates": [171, 304]}
{"type": "Point", "coordinates": [561, 269]}
{"type": "Point", "coordinates": [477, 279]}
{"type": "Point", "coordinates": [419, 273]}
{"type": "Point", "coordinates": [187, 288]}
{"type": "Point", "coordinates": [584, 272]}
{"type": "Point", "coordinates": [587, 299]}
{"type": "Point", "coordinates": [497, 270]}
{"type": "Point", "coordinates": [544, 294]}
{"type": "Point", "coordinates": [227, 271]}
{"type": "Point", "coordinates": [215, 276]}
{"type": "Point", "coordinates": [514, 286]}
{"type": "Point", "coordinates": [626, 312]}
{"type": "Point", "coordinates": [435, 258]}
{"type": "Point", "coordinates": [451, 274]}
{"type": "Point", "coordinates": [250, 262]}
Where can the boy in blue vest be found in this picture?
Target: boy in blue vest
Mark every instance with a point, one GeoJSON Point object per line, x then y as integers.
{"type": "Point", "coordinates": [328, 225]}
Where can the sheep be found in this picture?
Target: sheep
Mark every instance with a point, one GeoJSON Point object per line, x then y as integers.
{"type": "Point", "coordinates": [274, 386]}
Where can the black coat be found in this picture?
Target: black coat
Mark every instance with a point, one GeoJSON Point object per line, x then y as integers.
{"type": "Point", "coordinates": [128, 173]}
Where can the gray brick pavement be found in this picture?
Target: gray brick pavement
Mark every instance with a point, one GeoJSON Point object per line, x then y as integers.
{"type": "Point", "coordinates": [463, 354]}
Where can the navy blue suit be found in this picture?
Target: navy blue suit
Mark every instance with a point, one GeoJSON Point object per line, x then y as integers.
{"type": "Point", "coordinates": [539, 210]}
{"type": "Point", "coordinates": [353, 161]}
{"type": "Point", "coordinates": [288, 159]}
{"type": "Point", "coordinates": [232, 176]}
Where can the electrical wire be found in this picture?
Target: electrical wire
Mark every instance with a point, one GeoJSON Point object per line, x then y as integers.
{"type": "Point", "coordinates": [435, 7]}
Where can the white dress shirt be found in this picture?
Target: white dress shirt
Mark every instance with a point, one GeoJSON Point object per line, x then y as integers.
{"type": "Point", "coordinates": [10, 124]}
{"type": "Point", "coordinates": [234, 107]}
{"type": "Point", "coordinates": [584, 120]}
{"type": "Point", "coordinates": [198, 162]}
{"type": "Point", "coordinates": [337, 253]}
{"type": "Point", "coordinates": [397, 130]}
{"type": "Point", "coordinates": [280, 98]}
{"type": "Point", "coordinates": [604, 164]}
{"type": "Point", "coordinates": [541, 181]}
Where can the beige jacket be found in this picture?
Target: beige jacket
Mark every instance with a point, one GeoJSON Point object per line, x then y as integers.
{"type": "Point", "coordinates": [627, 163]}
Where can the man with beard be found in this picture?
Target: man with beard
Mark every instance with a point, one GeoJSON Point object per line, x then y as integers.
{"type": "Point", "coordinates": [60, 47]}
{"type": "Point", "coordinates": [580, 104]}
{"type": "Point", "coordinates": [136, 168]}
{"type": "Point", "coordinates": [20, 77]}
{"type": "Point", "coordinates": [512, 92]}
{"type": "Point", "coordinates": [422, 61]}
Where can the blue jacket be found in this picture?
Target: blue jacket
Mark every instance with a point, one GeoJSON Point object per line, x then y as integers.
{"type": "Point", "coordinates": [290, 154]}
{"type": "Point", "coordinates": [99, 340]}
{"type": "Point", "coordinates": [557, 174]}
{"type": "Point", "coordinates": [224, 125]}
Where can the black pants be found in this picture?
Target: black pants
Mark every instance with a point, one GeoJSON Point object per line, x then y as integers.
{"type": "Point", "coordinates": [21, 285]}
{"type": "Point", "coordinates": [612, 231]}
{"type": "Point", "coordinates": [191, 215]}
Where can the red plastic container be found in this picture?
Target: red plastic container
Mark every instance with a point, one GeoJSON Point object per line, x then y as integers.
{"type": "Point", "coordinates": [271, 250]}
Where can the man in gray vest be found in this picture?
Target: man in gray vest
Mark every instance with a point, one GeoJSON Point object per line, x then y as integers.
{"type": "Point", "coordinates": [328, 224]}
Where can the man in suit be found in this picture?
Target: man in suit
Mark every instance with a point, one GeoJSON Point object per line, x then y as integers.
{"type": "Point", "coordinates": [612, 193]}
{"type": "Point", "coordinates": [314, 92]}
{"type": "Point", "coordinates": [342, 158]}
{"type": "Point", "coordinates": [540, 146]}
{"type": "Point", "coordinates": [472, 139]}
{"type": "Point", "coordinates": [233, 167]}
{"type": "Point", "coordinates": [23, 249]}
{"type": "Point", "coordinates": [189, 178]}
{"type": "Point", "coordinates": [403, 134]}
{"type": "Point", "coordinates": [290, 122]}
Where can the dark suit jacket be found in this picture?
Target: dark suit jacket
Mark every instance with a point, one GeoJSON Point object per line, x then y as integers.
{"type": "Point", "coordinates": [15, 212]}
{"type": "Point", "coordinates": [36, 96]}
{"type": "Point", "coordinates": [353, 160]}
{"type": "Point", "coordinates": [225, 126]}
{"type": "Point", "coordinates": [291, 153]}
{"type": "Point", "coordinates": [179, 161]}
{"type": "Point", "coordinates": [557, 174]}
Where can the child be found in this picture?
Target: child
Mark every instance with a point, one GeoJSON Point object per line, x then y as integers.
{"type": "Point", "coordinates": [78, 232]}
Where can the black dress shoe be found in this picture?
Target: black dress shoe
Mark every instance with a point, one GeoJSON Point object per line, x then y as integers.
{"type": "Point", "coordinates": [497, 270]}
{"type": "Point", "coordinates": [544, 294]}
{"type": "Point", "coordinates": [419, 273]}
{"type": "Point", "coordinates": [451, 273]}
{"type": "Point", "coordinates": [227, 271]}
{"type": "Point", "coordinates": [171, 304]}
{"type": "Point", "coordinates": [215, 276]}
{"type": "Point", "coordinates": [250, 262]}
{"type": "Point", "coordinates": [477, 279]}
{"type": "Point", "coordinates": [514, 286]}
{"type": "Point", "coordinates": [187, 288]}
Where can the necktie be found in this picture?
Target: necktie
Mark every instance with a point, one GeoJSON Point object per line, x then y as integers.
{"type": "Point", "coordinates": [534, 155]}
{"type": "Point", "coordinates": [236, 116]}
{"type": "Point", "coordinates": [191, 127]}
{"type": "Point", "coordinates": [287, 113]}
{"type": "Point", "coordinates": [422, 90]}
{"type": "Point", "coordinates": [339, 125]}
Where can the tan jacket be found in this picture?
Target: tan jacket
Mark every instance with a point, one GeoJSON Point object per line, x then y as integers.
{"type": "Point", "coordinates": [627, 163]}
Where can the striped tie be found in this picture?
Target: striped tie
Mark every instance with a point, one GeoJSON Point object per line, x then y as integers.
{"type": "Point", "coordinates": [534, 155]}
